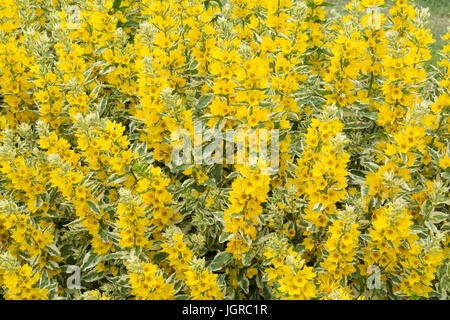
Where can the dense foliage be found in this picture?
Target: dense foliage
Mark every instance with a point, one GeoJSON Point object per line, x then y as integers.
{"type": "Point", "coordinates": [92, 92]}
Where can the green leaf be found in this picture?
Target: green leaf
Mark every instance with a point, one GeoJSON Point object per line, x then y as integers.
{"type": "Point", "coordinates": [233, 175]}
{"type": "Point", "coordinates": [244, 283]}
{"type": "Point", "coordinates": [160, 256]}
{"type": "Point", "coordinates": [90, 260]}
{"type": "Point", "coordinates": [116, 179]}
{"type": "Point", "coordinates": [219, 3]}
{"type": "Point", "coordinates": [94, 207]}
{"type": "Point", "coordinates": [93, 275]}
{"type": "Point", "coordinates": [204, 101]}
{"type": "Point", "coordinates": [114, 256]}
{"type": "Point", "coordinates": [130, 23]}
{"type": "Point", "coordinates": [178, 285]}
{"type": "Point", "coordinates": [321, 295]}
{"type": "Point", "coordinates": [103, 106]}
{"type": "Point", "coordinates": [107, 69]}
{"type": "Point", "coordinates": [187, 183]}
{"type": "Point", "coordinates": [438, 217]}
{"type": "Point", "coordinates": [224, 236]}
{"type": "Point", "coordinates": [100, 63]}
{"type": "Point", "coordinates": [210, 183]}
{"type": "Point", "coordinates": [318, 207]}
{"type": "Point", "coordinates": [221, 260]}
{"type": "Point", "coordinates": [365, 237]}
{"type": "Point", "coordinates": [38, 202]}
{"type": "Point", "coordinates": [116, 5]}
{"type": "Point", "coordinates": [369, 115]}
{"type": "Point", "coordinates": [358, 176]}
{"type": "Point", "coordinates": [53, 265]}
{"type": "Point", "coordinates": [247, 258]}
{"type": "Point", "coordinates": [433, 154]}
{"type": "Point", "coordinates": [44, 281]}
{"type": "Point", "coordinates": [52, 249]}
{"type": "Point", "coordinates": [426, 209]}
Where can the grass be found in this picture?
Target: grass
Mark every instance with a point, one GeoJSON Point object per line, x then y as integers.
{"type": "Point", "coordinates": [438, 21]}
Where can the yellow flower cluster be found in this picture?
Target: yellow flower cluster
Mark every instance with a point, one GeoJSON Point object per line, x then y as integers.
{"type": "Point", "coordinates": [341, 247]}
{"type": "Point", "coordinates": [201, 284]}
{"type": "Point", "coordinates": [294, 279]}
{"type": "Point", "coordinates": [22, 284]}
{"type": "Point", "coordinates": [150, 284]}
{"type": "Point", "coordinates": [93, 95]}
{"type": "Point", "coordinates": [321, 171]}
{"type": "Point", "coordinates": [241, 217]}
